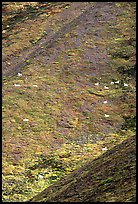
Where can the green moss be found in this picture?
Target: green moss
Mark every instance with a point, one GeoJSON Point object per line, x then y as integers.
{"type": "Point", "coordinates": [106, 181]}
{"type": "Point", "coordinates": [64, 92]}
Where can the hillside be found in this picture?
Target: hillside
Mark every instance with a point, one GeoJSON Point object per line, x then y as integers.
{"type": "Point", "coordinates": [109, 178]}
{"type": "Point", "coordinates": [69, 88]}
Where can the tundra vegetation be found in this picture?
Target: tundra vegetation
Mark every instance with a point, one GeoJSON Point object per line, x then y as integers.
{"type": "Point", "coordinates": [54, 114]}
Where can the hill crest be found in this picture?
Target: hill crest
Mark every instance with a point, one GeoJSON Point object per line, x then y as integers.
{"type": "Point", "coordinates": [110, 177]}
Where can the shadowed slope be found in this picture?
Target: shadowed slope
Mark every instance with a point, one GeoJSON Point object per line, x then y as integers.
{"type": "Point", "coordinates": [68, 93]}
{"type": "Point", "coordinates": [110, 177]}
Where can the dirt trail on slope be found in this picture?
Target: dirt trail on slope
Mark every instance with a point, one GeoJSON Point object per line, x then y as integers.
{"type": "Point", "coordinates": [83, 34]}
{"type": "Point", "coordinates": [77, 58]}
{"type": "Point", "coordinates": [63, 102]}
{"type": "Point", "coordinates": [71, 18]}
{"type": "Point", "coordinates": [64, 20]}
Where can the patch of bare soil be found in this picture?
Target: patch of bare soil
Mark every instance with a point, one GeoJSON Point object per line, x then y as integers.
{"type": "Point", "coordinates": [78, 42]}
{"type": "Point", "coordinates": [62, 21]}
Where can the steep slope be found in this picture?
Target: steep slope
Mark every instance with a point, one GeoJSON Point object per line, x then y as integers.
{"type": "Point", "coordinates": [68, 89]}
{"type": "Point", "coordinates": [110, 177]}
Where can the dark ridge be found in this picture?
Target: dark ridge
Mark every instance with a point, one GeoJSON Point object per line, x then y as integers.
{"type": "Point", "coordinates": [110, 177]}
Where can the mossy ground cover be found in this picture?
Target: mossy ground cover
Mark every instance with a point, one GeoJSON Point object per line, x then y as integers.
{"type": "Point", "coordinates": [21, 26]}
{"type": "Point", "coordinates": [108, 178]}
{"type": "Point", "coordinates": [54, 114]}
